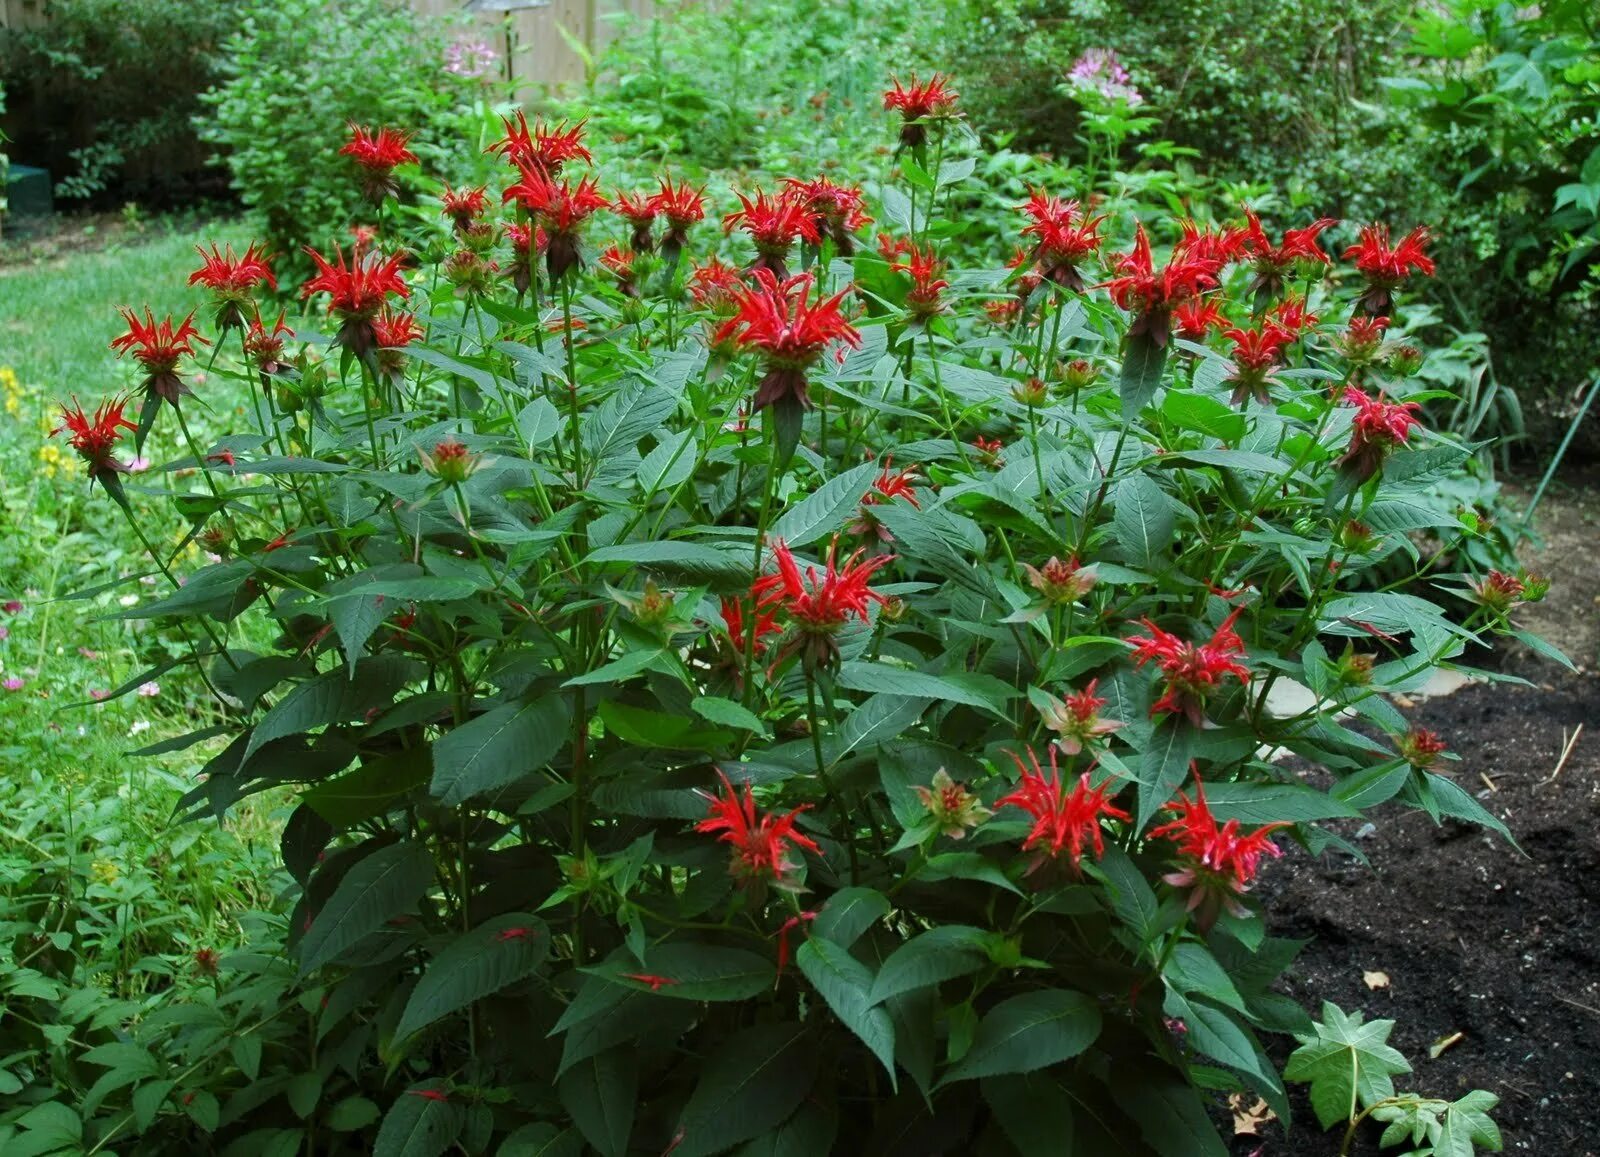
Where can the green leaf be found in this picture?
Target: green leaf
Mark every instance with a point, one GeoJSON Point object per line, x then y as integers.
{"type": "Point", "coordinates": [1454, 800]}
{"type": "Point", "coordinates": [336, 696]}
{"type": "Point", "coordinates": [693, 971]}
{"type": "Point", "coordinates": [1205, 415]}
{"type": "Point", "coordinates": [1215, 1033]}
{"type": "Point", "coordinates": [386, 883]}
{"type": "Point", "coordinates": [538, 422]}
{"type": "Point", "coordinates": [848, 913]}
{"type": "Point", "coordinates": [637, 409]}
{"type": "Point", "coordinates": [826, 509]}
{"type": "Point", "coordinates": [808, 1132]}
{"type": "Point", "coordinates": [1169, 1116]}
{"type": "Point", "coordinates": [1271, 803]}
{"type": "Point", "coordinates": [753, 1081]}
{"type": "Point", "coordinates": [1192, 969]}
{"type": "Point", "coordinates": [1347, 1062]}
{"type": "Point", "coordinates": [498, 748]}
{"type": "Point", "coordinates": [1028, 1032]}
{"type": "Point", "coordinates": [542, 1139]}
{"type": "Point", "coordinates": [974, 690]}
{"type": "Point", "coordinates": [1467, 1124]}
{"type": "Point", "coordinates": [371, 790]}
{"type": "Point", "coordinates": [671, 462]}
{"type": "Point", "coordinates": [1142, 363]}
{"type": "Point", "coordinates": [966, 866]}
{"type": "Point", "coordinates": [1542, 647]}
{"type": "Point", "coordinates": [474, 965]}
{"type": "Point", "coordinates": [1035, 1112]}
{"type": "Point", "coordinates": [692, 559]}
{"type": "Point", "coordinates": [1144, 522]}
{"type": "Point", "coordinates": [878, 720]}
{"type": "Point", "coordinates": [419, 1125]}
{"type": "Point", "coordinates": [600, 1094]}
{"type": "Point", "coordinates": [844, 982]}
{"type": "Point", "coordinates": [628, 666]}
{"type": "Point", "coordinates": [727, 713]}
{"type": "Point", "coordinates": [1132, 899]}
{"type": "Point", "coordinates": [1375, 785]}
{"type": "Point", "coordinates": [1163, 767]}
{"type": "Point", "coordinates": [933, 957]}
{"type": "Point", "coordinates": [351, 1114]}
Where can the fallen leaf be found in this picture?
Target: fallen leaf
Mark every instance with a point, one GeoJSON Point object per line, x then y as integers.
{"type": "Point", "coordinates": [1376, 980]}
{"type": "Point", "coordinates": [1444, 1042]}
{"type": "Point", "coordinates": [1248, 1121]}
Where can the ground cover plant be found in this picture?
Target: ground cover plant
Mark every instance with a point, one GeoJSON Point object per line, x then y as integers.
{"type": "Point", "coordinates": [732, 685]}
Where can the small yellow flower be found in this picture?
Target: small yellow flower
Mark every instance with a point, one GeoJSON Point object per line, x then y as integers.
{"type": "Point", "coordinates": [103, 872]}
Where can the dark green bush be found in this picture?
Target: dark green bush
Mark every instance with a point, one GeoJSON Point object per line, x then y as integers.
{"type": "Point", "coordinates": [103, 94]}
{"type": "Point", "coordinates": [295, 72]}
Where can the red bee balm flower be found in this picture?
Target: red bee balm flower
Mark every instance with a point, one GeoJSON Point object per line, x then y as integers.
{"type": "Point", "coordinates": [391, 333]}
{"type": "Point", "coordinates": [920, 103]}
{"type": "Point", "coordinates": [1062, 237]}
{"type": "Point", "coordinates": [733, 617]}
{"type": "Point", "coordinates": [889, 485]}
{"type": "Point", "coordinates": [1063, 821]}
{"type": "Point", "coordinates": [561, 209]}
{"type": "Point", "coordinates": [682, 207]}
{"type": "Point", "coordinates": [922, 299]}
{"type": "Point", "coordinates": [543, 147]}
{"type": "Point", "coordinates": [527, 243]}
{"type": "Point", "coordinates": [1378, 428]}
{"type": "Point", "coordinates": [774, 224]}
{"type": "Point", "coordinates": [1421, 747]}
{"type": "Point", "coordinates": [1256, 354]}
{"type": "Point", "coordinates": [1216, 864]}
{"type": "Point", "coordinates": [96, 438]}
{"type": "Point", "coordinates": [231, 279]}
{"type": "Point", "coordinates": [1076, 718]}
{"type": "Point", "coordinates": [1152, 296]}
{"type": "Point", "coordinates": [1387, 268]}
{"type": "Point", "coordinates": [1192, 672]}
{"type": "Point", "coordinates": [377, 154]}
{"type": "Point", "coordinates": [158, 348]}
{"type": "Point", "coordinates": [618, 262]}
{"type": "Point", "coordinates": [463, 206]}
{"type": "Point", "coordinates": [265, 346]}
{"type": "Point", "coordinates": [818, 605]}
{"type": "Point", "coordinates": [760, 843]}
{"type": "Point", "coordinates": [836, 210]}
{"type": "Point", "coordinates": [357, 291]}
{"type": "Point", "coordinates": [791, 333]}
{"type": "Point", "coordinates": [1298, 251]}
{"type": "Point", "coordinates": [1197, 317]}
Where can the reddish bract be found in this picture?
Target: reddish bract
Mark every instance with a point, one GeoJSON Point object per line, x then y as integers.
{"type": "Point", "coordinates": [1192, 672]}
{"type": "Point", "coordinates": [760, 843]}
{"type": "Point", "coordinates": [819, 603]}
{"type": "Point", "coordinates": [1217, 863]}
{"type": "Point", "coordinates": [95, 438]}
{"type": "Point", "coordinates": [1063, 821]}
{"type": "Point", "coordinates": [776, 319]}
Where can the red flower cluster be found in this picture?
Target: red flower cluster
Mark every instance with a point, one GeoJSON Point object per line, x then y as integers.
{"type": "Point", "coordinates": [764, 624]}
{"type": "Point", "coordinates": [1298, 251]}
{"type": "Point", "coordinates": [818, 604]}
{"type": "Point", "coordinates": [1378, 428]}
{"type": "Point", "coordinates": [1063, 820]}
{"type": "Point", "coordinates": [775, 318]}
{"type": "Point", "coordinates": [837, 211]}
{"type": "Point", "coordinates": [923, 298]}
{"type": "Point", "coordinates": [230, 279]}
{"type": "Point", "coordinates": [715, 286]}
{"type": "Point", "coordinates": [1151, 295]}
{"type": "Point", "coordinates": [920, 103]}
{"type": "Point", "coordinates": [1076, 718]}
{"type": "Point", "coordinates": [682, 207]}
{"type": "Point", "coordinates": [1218, 863]}
{"type": "Point", "coordinates": [1421, 747]}
{"type": "Point", "coordinates": [1063, 237]}
{"type": "Point", "coordinates": [527, 243]}
{"type": "Point", "coordinates": [158, 348]}
{"type": "Point", "coordinates": [463, 206]}
{"type": "Point", "coordinates": [356, 291]}
{"type": "Point", "coordinates": [95, 438]}
{"type": "Point", "coordinates": [886, 487]}
{"type": "Point", "coordinates": [760, 843]}
{"type": "Point", "coordinates": [638, 211]}
{"type": "Point", "coordinates": [377, 154]}
{"type": "Point", "coordinates": [1256, 354]}
{"type": "Point", "coordinates": [1192, 672]}
{"type": "Point", "coordinates": [265, 346]}
{"type": "Point", "coordinates": [540, 147]}
{"type": "Point", "coordinates": [1197, 317]}
{"type": "Point", "coordinates": [1387, 267]}
{"type": "Point", "coordinates": [560, 209]}
{"type": "Point", "coordinates": [774, 224]}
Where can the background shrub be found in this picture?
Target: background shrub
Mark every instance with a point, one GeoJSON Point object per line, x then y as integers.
{"type": "Point", "coordinates": [103, 94]}
{"type": "Point", "coordinates": [295, 72]}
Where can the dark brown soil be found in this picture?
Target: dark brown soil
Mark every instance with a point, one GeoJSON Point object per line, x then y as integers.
{"type": "Point", "coordinates": [1477, 937]}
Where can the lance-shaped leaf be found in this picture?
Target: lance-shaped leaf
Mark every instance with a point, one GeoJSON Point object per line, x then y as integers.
{"type": "Point", "coordinates": [474, 965]}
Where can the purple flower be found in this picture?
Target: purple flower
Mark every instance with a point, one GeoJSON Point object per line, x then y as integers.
{"type": "Point", "coordinates": [149, 690]}
{"type": "Point", "coordinates": [1100, 70]}
{"type": "Point", "coordinates": [470, 59]}
{"type": "Point", "coordinates": [99, 693]}
{"type": "Point", "coordinates": [11, 607]}
{"type": "Point", "coordinates": [13, 683]}
{"type": "Point", "coordinates": [5, 633]}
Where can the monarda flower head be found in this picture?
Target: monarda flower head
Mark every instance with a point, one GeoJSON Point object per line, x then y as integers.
{"type": "Point", "coordinates": [639, 212]}
{"type": "Point", "coordinates": [1501, 592]}
{"type": "Point", "coordinates": [1063, 238]}
{"type": "Point", "coordinates": [1293, 316]}
{"type": "Point", "coordinates": [1378, 428]}
{"type": "Point", "coordinates": [1151, 296]}
{"type": "Point", "coordinates": [923, 300]}
{"type": "Point", "coordinates": [541, 147]}
{"type": "Point", "coordinates": [1298, 254]}
{"type": "Point", "coordinates": [264, 346]}
{"type": "Point", "coordinates": [527, 243]}
{"type": "Point", "coordinates": [1075, 717]}
{"type": "Point", "coordinates": [95, 439]}
{"type": "Point", "coordinates": [1193, 672]}
{"type": "Point", "coordinates": [618, 262]}
{"type": "Point", "coordinates": [158, 348]}
{"type": "Point", "coordinates": [464, 206]}
{"type": "Point", "coordinates": [920, 104]}
{"type": "Point", "coordinates": [450, 462]}
{"type": "Point", "coordinates": [1362, 341]}
{"type": "Point", "coordinates": [818, 605]}
{"type": "Point", "coordinates": [1216, 864]}
{"type": "Point", "coordinates": [886, 487]}
{"type": "Point", "coordinates": [761, 843]}
{"type": "Point", "coordinates": [774, 224]}
{"type": "Point", "coordinates": [1256, 355]}
{"type": "Point", "coordinates": [1061, 583]}
{"type": "Point", "coordinates": [952, 808]}
{"type": "Point", "coordinates": [391, 333]}
{"type": "Point", "coordinates": [762, 624]}
{"type": "Point", "coordinates": [231, 280]}
{"type": "Point", "coordinates": [1197, 317]}
{"type": "Point", "coordinates": [1420, 747]}
{"type": "Point", "coordinates": [837, 211]}
{"type": "Point", "coordinates": [356, 291]}
{"type": "Point", "coordinates": [790, 332]}
{"type": "Point", "coordinates": [377, 155]}
{"type": "Point", "coordinates": [1386, 268]}
{"type": "Point", "coordinates": [715, 286]}
{"type": "Point", "coordinates": [682, 207]}
{"type": "Point", "coordinates": [1066, 823]}
{"type": "Point", "coordinates": [560, 209]}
